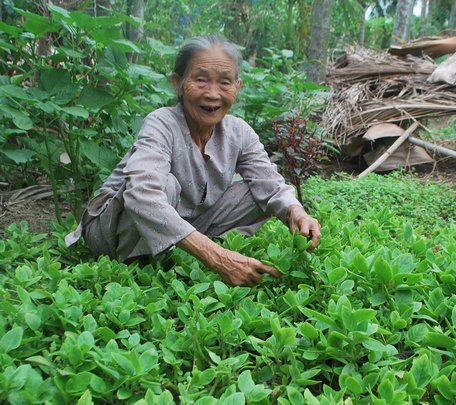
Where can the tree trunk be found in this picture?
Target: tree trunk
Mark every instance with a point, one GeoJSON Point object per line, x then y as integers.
{"type": "Point", "coordinates": [423, 25]}
{"type": "Point", "coordinates": [402, 21]}
{"type": "Point", "coordinates": [362, 23]}
{"type": "Point", "coordinates": [319, 38]}
{"type": "Point", "coordinates": [290, 25]}
{"type": "Point", "coordinates": [452, 18]}
{"type": "Point", "coordinates": [429, 13]}
{"type": "Point", "coordinates": [305, 12]}
{"type": "Point", "coordinates": [135, 8]}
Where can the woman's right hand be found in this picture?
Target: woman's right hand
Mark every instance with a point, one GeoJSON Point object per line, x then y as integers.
{"type": "Point", "coordinates": [237, 269]}
{"type": "Point", "coordinates": [234, 268]}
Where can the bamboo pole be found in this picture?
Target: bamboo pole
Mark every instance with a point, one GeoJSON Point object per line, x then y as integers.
{"type": "Point", "coordinates": [441, 150]}
{"type": "Point", "coordinates": [398, 142]}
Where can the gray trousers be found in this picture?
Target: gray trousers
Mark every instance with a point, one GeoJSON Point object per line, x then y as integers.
{"type": "Point", "coordinates": [108, 230]}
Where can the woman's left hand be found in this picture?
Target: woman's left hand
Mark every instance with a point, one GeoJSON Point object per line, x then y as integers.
{"type": "Point", "coordinates": [299, 220]}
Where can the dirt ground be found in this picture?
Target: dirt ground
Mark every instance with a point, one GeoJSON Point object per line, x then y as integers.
{"type": "Point", "coordinates": [40, 213]}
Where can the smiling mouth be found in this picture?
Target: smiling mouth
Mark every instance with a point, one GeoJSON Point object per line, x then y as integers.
{"type": "Point", "coordinates": [209, 108]}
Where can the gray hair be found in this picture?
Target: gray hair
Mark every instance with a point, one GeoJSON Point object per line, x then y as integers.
{"type": "Point", "coordinates": [202, 43]}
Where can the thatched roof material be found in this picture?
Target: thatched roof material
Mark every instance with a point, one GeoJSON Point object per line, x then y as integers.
{"type": "Point", "coordinates": [371, 88]}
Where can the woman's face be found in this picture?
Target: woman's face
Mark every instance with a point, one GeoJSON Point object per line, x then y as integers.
{"type": "Point", "coordinates": [209, 88]}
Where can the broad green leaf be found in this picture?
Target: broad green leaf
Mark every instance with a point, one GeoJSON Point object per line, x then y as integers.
{"type": "Point", "coordinates": [435, 339]}
{"type": "Point", "coordinates": [85, 399]}
{"type": "Point", "coordinates": [383, 270]}
{"type": "Point", "coordinates": [125, 363]}
{"type": "Point", "coordinates": [364, 314]}
{"type": "Point", "coordinates": [12, 339]}
{"type": "Point", "coordinates": [33, 320]}
{"type": "Point", "coordinates": [20, 118]}
{"type": "Point", "coordinates": [386, 391]}
{"type": "Point", "coordinates": [78, 383]}
{"type": "Point", "coordinates": [353, 385]}
{"type": "Point", "coordinates": [308, 330]}
{"type": "Point", "coordinates": [148, 360]}
{"type": "Point", "coordinates": [417, 332]}
{"type": "Point", "coordinates": [37, 24]}
{"type": "Point", "coordinates": [59, 12]}
{"type": "Point", "coordinates": [360, 263]}
{"type": "Point", "coordinates": [126, 45]}
{"type": "Point", "coordinates": [12, 91]}
{"type": "Point", "coordinates": [294, 396]}
{"type": "Point", "coordinates": [94, 98]}
{"type": "Point", "coordinates": [53, 80]}
{"type": "Point", "coordinates": [102, 157]}
{"type": "Point", "coordinates": [422, 370]}
{"type": "Point", "coordinates": [443, 384]}
{"type": "Point", "coordinates": [19, 156]}
{"type": "Point", "coordinates": [336, 275]}
{"type": "Point", "coordinates": [375, 345]}
{"type": "Point", "coordinates": [76, 112]}
{"type": "Point", "coordinates": [245, 382]}
{"type": "Point", "coordinates": [11, 30]}
{"type": "Point", "coordinates": [236, 398]}
{"type": "Point", "coordinates": [319, 317]}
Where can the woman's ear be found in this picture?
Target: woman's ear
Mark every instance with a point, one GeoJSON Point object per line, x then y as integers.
{"type": "Point", "coordinates": [177, 81]}
{"type": "Point", "coordinates": [239, 84]}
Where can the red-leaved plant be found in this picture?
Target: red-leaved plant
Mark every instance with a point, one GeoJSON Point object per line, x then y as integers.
{"type": "Point", "coordinates": [300, 150]}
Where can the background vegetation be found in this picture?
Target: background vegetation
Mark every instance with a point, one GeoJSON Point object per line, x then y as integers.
{"type": "Point", "coordinates": [368, 318]}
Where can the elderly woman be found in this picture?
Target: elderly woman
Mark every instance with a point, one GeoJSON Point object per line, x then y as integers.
{"type": "Point", "coordinates": [175, 186]}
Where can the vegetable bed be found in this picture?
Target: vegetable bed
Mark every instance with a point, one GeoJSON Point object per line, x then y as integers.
{"type": "Point", "coordinates": [369, 317]}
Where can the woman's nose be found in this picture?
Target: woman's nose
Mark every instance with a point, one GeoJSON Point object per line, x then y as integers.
{"type": "Point", "coordinates": [212, 90]}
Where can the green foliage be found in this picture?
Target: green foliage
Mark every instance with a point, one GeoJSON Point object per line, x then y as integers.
{"type": "Point", "coordinates": [78, 102]}
{"type": "Point", "coordinates": [369, 317]}
{"type": "Point", "coordinates": [424, 203]}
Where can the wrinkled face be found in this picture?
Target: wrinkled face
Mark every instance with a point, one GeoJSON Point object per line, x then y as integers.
{"type": "Point", "coordinates": [209, 88]}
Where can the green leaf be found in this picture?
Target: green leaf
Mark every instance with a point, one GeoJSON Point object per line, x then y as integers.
{"type": "Point", "coordinates": [78, 383]}
{"type": "Point", "coordinates": [94, 99]}
{"type": "Point", "coordinates": [19, 156]}
{"type": "Point", "coordinates": [21, 119]}
{"type": "Point", "coordinates": [11, 30]}
{"type": "Point", "coordinates": [360, 263]}
{"type": "Point", "coordinates": [364, 314]}
{"type": "Point", "coordinates": [12, 339]}
{"type": "Point", "coordinates": [386, 391]}
{"type": "Point", "coordinates": [375, 345]}
{"type": "Point", "coordinates": [421, 370]}
{"type": "Point", "coordinates": [353, 385]}
{"type": "Point", "coordinates": [444, 386]}
{"type": "Point", "coordinates": [76, 112]}
{"type": "Point", "coordinates": [85, 399]}
{"type": "Point", "coordinates": [308, 330]}
{"type": "Point", "coordinates": [294, 396]}
{"type": "Point", "coordinates": [125, 363]}
{"type": "Point", "coordinates": [12, 91]}
{"type": "Point", "coordinates": [383, 270]}
{"type": "Point", "coordinates": [337, 274]}
{"type": "Point", "coordinates": [102, 157]}
{"type": "Point", "coordinates": [36, 24]}
{"type": "Point", "coordinates": [319, 317]}
{"type": "Point", "coordinates": [33, 320]}
{"type": "Point", "coordinates": [54, 80]}
{"type": "Point", "coordinates": [435, 339]}
{"type": "Point", "coordinates": [126, 45]}
{"type": "Point", "coordinates": [236, 398]}
{"type": "Point", "coordinates": [245, 382]}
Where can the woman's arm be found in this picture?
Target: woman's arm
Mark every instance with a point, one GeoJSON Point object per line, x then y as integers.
{"type": "Point", "coordinates": [233, 267]}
